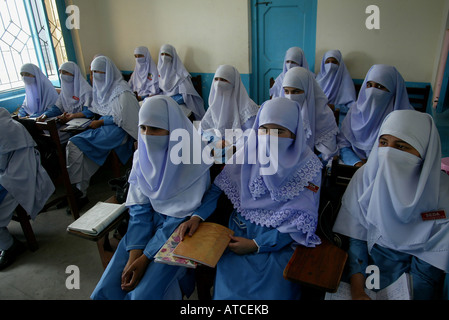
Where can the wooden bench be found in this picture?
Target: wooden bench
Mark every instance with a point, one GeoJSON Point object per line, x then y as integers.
{"type": "Point", "coordinates": [418, 96]}
{"type": "Point", "coordinates": [21, 216]}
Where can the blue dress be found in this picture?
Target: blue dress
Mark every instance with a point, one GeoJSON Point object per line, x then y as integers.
{"type": "Point", "coordinates": [256, 276]}
{"type": "Point", "coordinates": [97, 143]}
{"type": "Point", "coordinates": [392, 264]}
{"type": "Point", "coordinates": [148, 230]}
{"type": "Point", "coordinates": [160, 281]}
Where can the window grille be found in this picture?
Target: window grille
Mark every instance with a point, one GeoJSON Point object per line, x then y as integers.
{"type": "Point", "coordinates": [27, 37]}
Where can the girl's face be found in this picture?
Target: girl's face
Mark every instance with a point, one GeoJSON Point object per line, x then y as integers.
{"type": "Point", "coordinates": [153, 131]}
{"type": "Point", "coordinates": [26, 74]}
{"type": "Point", "coordinates": [388, 140]}
{"type": "Point", "coordinates": [332, 60]}
{"type": "Point", "coordinates": [372, 84]}
{"type": "Point", "coordinates": [291, 90]}
{"type": "Point", "coordinates": [221, 79]}
{"type": "Point", "coordinates": [281, 131]}
{"type": "Point", "coordinates": [66, 73]}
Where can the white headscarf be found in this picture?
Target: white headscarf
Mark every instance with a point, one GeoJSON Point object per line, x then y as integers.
{"type": "Point", "coordinates": [319, 120]}
{"type": "Point", "coordinates": [76, 92]}
{"type": "Point", "coordinates": [40, 92]}
{"type": "Point", "coordinates": [335, 80]}
{"type": "Point", "coordinates": [362, 123]}
{"type": "Point", "coordinates": [229, 104]}
{"type": "Point", "coordinates": [298, 57]}
{"type": "Point", "coordinates": [175, 79]}
{"type": "Point", "coordinates": [386, 197]}
{"type": "Point", "coordinates": [279, 200]}
{"type": "Point", "coordinates": [108, 86]}
{"type": "Point", "coordinates": [173, 189]}
{"type": "Point", "coordinates": [145, 66]}
{"type": "Point", "coordinates": [106, 90]}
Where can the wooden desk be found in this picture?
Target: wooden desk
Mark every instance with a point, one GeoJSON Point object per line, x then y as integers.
{"type": "Point", "coordinates": [320, 267]}
{"type": "Point", "coordinates": [105, 249]}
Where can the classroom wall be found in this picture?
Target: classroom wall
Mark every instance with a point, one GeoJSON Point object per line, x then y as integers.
{"type": "Point", "coordinates": [409, 36]}
{"type": "Point", "coordinates": [205, 33]}
{"type": "Point", "coordinates": [208, 33]}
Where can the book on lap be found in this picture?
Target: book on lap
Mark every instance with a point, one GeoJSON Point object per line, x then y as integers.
{"type": "Point", "coordinates": [77, 124]}
{"type": "Point", "coordinates": [97, 218]}
{"type": "Point", "coordinates": [205, 247]}
{"type": "Point", "coordinates": [165, 254]}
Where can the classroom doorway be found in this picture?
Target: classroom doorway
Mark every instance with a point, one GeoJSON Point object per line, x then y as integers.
{"type": "Point", "coordinates": [277, 25]}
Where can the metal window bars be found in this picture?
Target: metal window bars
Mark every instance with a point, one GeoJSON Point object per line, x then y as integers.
{"type": "Point", "coordinates": [30, 32]}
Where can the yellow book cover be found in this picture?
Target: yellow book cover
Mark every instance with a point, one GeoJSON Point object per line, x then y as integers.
{"type": "Point", "coordinates": [207, 244]}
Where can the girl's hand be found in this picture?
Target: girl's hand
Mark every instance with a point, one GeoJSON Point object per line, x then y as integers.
{"type": "Point", "coordinates": [358, 287]}
{"type": "Point", "coordinates": [95, 124]}
{"type": "Point", "coordinates": [241, 245]}
{"type": "Point", "coordinates": [190, 225]}
{"type": "Point", "coordinates": [133, 272]}
{"type": "Point", "coordinates": [41, 118]}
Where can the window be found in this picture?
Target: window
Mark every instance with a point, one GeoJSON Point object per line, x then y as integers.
{"type": "Point", "coordinates": [30, 32]}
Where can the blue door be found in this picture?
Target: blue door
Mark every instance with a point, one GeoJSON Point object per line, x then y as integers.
{"type": "Point", "coordinates": [276, 26]}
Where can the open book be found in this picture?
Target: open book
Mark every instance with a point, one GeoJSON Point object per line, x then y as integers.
{"type": "Point", "coordinates": [77, 124]}
{"type": "Point", "coordinates": [205, 247]}
{"type": "Point", "coordinates": [97, 218]}
{"type": "Point", "coordinates": [401, 289]}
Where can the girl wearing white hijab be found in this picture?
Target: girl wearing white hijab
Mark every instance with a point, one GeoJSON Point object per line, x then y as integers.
{"type": "Point", "coordinates": [336, 82]}
{"type": "Point", "coordinates": [41, 95]}
{"type": "Point", "coordinates": [161, 196]}
{"type": "Point", "coordinates": [382, 91]}
{"type": "Point", "coordinates": [116, 130]}
{"type": "Point", "coordinates": [230, 107]}
{"type": "Point", "coordinates": [175, 81]}
{"type": "Point", "coordinates": [319, 122]}
{"type": "Point", "coordinates": [75, 98]}
{"type": "Point", "coordinates": [144, 80]}
{"type": "Point", "coordinates": [272, 212]}
{"type": "Point", "coordinates": [395, 207]}
{"type": "Point", "coordinates": [294, 57]}
{"type": "Point", "coordinates": [23, 181]}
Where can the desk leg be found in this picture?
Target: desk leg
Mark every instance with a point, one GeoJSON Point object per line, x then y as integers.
{"type": "Point", "coordinates": [104, 249]}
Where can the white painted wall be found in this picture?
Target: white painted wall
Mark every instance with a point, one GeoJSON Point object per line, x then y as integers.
{"type": "Point", "coordinates": [205, 33]}
{"type": "Point", "coordinates": [409, 36]}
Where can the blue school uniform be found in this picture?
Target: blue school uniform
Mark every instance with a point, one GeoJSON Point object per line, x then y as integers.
{"type": "Point", "coordinates": [392, 264]}
{"type": "Point", "coordinates": [148, 230]}
{"type": "Point", "coordinates": [161, 196]}
{"type": "Point", "coordinates": [97, 143]}
{"type": "Point", "coordinates": [259, 275]}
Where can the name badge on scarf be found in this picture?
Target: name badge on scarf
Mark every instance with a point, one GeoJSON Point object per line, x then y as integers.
{"type": "Point", "coordinates": [313, 187]}
{"type": "Point", "coordinates": [433, 215]}
{"type": "Point", "coordinates": [76, 98]}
